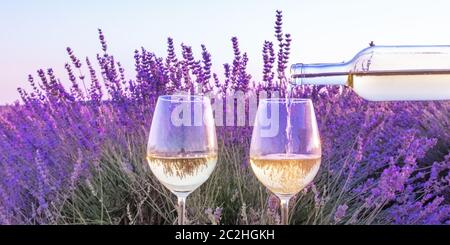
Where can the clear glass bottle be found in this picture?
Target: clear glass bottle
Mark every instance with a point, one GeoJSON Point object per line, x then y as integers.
{"type": "Point", "coordinates": [386, 73]}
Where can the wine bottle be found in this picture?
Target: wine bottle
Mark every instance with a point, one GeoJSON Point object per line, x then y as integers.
{"type": "Point", "coordinates": [386, 73]}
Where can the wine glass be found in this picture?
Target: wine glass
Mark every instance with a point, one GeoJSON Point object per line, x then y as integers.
{"type": "Point", "coordinates": [285, 151]}
{"type": "Point", "coordinates": [182, 145]}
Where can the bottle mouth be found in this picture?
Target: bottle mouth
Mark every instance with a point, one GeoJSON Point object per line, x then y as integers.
{"type": "Point", "coordinates": [319, 74]}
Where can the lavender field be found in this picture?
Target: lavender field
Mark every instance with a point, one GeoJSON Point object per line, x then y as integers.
{"type": "Point", "coordinates": [76, 155]}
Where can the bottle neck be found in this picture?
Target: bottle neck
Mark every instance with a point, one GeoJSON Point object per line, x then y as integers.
{"type": "Point", "coordinates": [320, 74]}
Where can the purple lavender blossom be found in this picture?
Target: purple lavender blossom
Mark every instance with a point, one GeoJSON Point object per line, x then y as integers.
{"type": "Point", "coordinates": [340, 213]}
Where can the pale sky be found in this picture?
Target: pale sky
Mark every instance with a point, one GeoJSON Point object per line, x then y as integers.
{"type": "Point", "coordinates": [34, 34]}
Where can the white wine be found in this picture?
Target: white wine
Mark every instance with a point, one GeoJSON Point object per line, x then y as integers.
{"type": "Point", "coordinates": [386, 73]}
{"type": "Point", "coordinates": [390, 85]}
{"type": "Point", "coordinates": [382, 86]}
{"type": "Point", "coordinates": [286, 174]}
{"type": "Point", "coordinates": [182, 173]}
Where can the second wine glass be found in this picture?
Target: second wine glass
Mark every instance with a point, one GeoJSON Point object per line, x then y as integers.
{"type": "Point", "coordinates": [285, 151]}
{"type": "Point", "coordinates": [182, 145]}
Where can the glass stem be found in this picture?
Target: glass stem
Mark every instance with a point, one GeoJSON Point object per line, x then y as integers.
{"type": "Point", "coordinates": [181, 208]}
{"type": "Point", "coordinates": [285, 210]}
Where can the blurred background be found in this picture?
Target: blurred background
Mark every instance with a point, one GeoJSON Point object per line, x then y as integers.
{"type": "Point", "coordinates": [35, 34]}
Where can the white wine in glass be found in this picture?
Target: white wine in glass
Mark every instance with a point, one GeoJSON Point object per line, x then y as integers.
{"type": "Point", "coordinates": [285, 151]}
{"type": "Point", "coordinates": [182, 145]}
{"type": "Point", "coordinates": [286, 174]}
{"type": "Point", "coordinates": [182, 173]}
